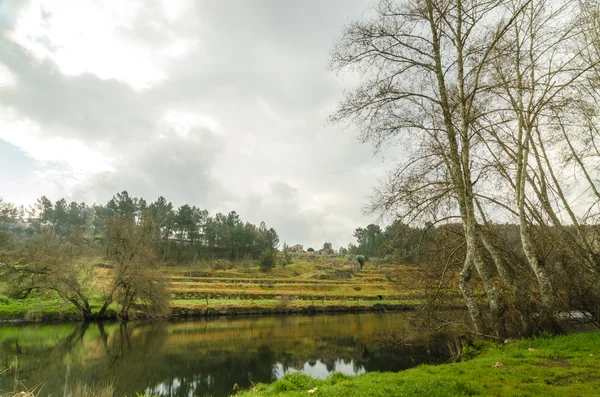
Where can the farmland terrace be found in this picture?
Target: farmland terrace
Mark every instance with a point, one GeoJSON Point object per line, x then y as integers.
{"type": "Point", "coordinates": [229, 288]}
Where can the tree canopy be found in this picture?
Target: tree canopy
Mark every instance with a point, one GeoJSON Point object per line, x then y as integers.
{"type": "Point", "coordinates": [181, 233]}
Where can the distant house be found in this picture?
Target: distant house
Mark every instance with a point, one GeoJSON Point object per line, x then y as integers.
{"type": "Point", "coordinates": [178, 237]}
{"type": "Point", "coordinates": [297, 248]}
{"type": "Point", "coordinates": [172, 236]}
{"type": "Point", "coordinates": [324, 251]}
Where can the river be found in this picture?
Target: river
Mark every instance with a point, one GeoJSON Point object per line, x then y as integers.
{"type": "Point", "coordinates": [203, 357]}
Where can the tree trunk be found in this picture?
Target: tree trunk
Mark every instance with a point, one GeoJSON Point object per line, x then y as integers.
{"type": "Point", "coordinates": [546, 290]}
{"type": "Point", "coordinates": [459, 166]}
{"type": "Point", "coordinates": [469, 297]}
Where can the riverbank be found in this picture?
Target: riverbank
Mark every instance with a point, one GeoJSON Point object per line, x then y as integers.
{"type": "Point", "coordinates": [321, 285]}
{"type": "Point", "coordinates": [545, 366]}
{"type": "Point", "coordinates": [53, 312]}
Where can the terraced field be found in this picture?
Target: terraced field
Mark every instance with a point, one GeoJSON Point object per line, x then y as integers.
{"type": "Point", "coordinates": [306, 286]}
{"type": "Point", "coordinates": [297, 287]}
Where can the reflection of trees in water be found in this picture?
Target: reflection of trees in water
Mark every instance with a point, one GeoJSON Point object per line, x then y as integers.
{"type": "Point", "coordinates": [29, 357]}
{"type": "Point", "coordinates": [214, 373]}
{"type": "Point", "coordinates": [73, 358]}
{"type": "Point", "coordinates": [196, 358]}
{"type": "Point", "coordinates": [367, 357]}
{"type": "Point", "coordinates": [127, 343]}
{"type": "Point", "coordinates": [14, 346]}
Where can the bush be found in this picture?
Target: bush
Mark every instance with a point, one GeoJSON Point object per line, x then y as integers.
{"type": "Point", "coordinates": [360, 259]}
{"type": "Point", "coordinates": [377, 261]}
{"type": "Point", "coordinates": [266, 260]}
{"type": "Point", "coordinates": [381, 260]}
{"type": "Point", "coordinates": [286, 260]}
{"type": "Point", "coordinates": [220, 264]}
{"type": "Point", "coordinates": [5, 238]}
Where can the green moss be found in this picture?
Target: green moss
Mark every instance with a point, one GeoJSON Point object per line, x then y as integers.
{"type": "Point", "coordinates": [561, 366]}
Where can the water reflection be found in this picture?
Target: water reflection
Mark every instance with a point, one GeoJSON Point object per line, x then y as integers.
{"type": "Point", "coordinates": [202, 357]}
{"type": "Point", "coordinates": [319, 369]}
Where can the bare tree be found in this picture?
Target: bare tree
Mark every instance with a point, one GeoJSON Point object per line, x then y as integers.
{"type": "Point", "coordinates": [422, 65]}
{"type": "Point", "coordinates": [488, 98]}
{"type": "Point", "coordinates": [536, 82]}
{"type": "Point", "coordinates": [49, 263]}
{"type": "Point", "coordinates": [136, 282]}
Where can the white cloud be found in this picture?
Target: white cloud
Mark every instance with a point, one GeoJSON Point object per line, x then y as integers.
{"type": "Point", "coordinates": [6, 76]}
{"type": "Point", "coordinates": [51, 183]}
{"type": "Point", "coordinates": [269, 112]}
{"type": "Point", "coordinates": [173, 10]}
{"type": "Point", "coordinates": [81, 159]}
{"type": "Point", "coordinates": [93, 36]}
{"type": "Point", "coordinates": [184, 122]}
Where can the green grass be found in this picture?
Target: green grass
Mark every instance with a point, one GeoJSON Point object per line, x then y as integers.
{"type": "Point", "coordinates": [40, 307]}
{"type": "Point", "coordinates": [562, 366]}
{"type": "Point", "coordinates": [33, 308]}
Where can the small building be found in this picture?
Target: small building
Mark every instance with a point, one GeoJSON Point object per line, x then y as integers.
{"type": "Point", "coordinates": [324, 251]}
{"type": "Point", "coordinates": [297, 248]}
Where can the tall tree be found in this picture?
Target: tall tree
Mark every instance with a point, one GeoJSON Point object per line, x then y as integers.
{"type": "Point", "coordinates": [422, 65]}
{"type": "Point", "coordinates": [123, 206]}
{"type": "Point", "coordinates": [162, 212]}
{"type": "Point", "coordinates": [185, 226]}
{"type": "Point", "coordinates": [60, 217]}
{"type": "Point", "coordinates": [8, 212]}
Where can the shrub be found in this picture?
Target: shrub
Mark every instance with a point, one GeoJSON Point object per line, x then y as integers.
{"type": "Point", "coordinates": [5, 238]}
{"type": "Point", "coordinates": [377, 261]}
{"type": "Point", "coordinates": [286, 260]}
{"type": "Point", "coordinates": [267, 260]}
{"type": "Point", "coordinates": [33, 315]}
{"type": "Point", "coordinates": [220, 264]}
{"type": "Point", "coordinates": [472, 350]}
{"type": "Point", "coordinates": [360, 259]}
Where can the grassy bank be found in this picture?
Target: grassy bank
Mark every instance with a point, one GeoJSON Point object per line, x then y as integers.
{"type": "Point", "coordinates": [560, 366]}
{"type": "Point", "coordinates": [43, 308]}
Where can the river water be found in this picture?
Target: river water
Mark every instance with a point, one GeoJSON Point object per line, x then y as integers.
{"type": "Point", "coordinates": [204, 357]}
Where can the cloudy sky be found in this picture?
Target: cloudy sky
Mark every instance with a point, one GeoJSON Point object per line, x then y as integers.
{"type": "Point", "coordinates": [218, 104]}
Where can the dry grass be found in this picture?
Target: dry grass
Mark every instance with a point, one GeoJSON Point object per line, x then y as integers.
{"type": "Point", "coordinates": [82, 390]}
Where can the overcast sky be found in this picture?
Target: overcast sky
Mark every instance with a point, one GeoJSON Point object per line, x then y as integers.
{"type": "Point", "coordinates": [218, 104]}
